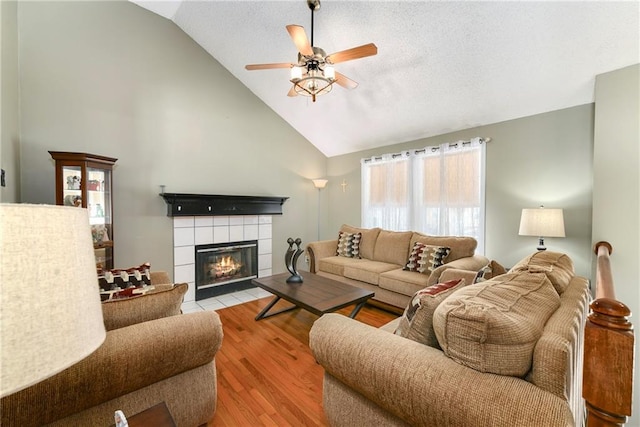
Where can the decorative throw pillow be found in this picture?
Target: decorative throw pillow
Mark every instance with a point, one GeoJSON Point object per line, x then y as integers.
{"type": "Point", "coordinates": [133, 277]}
{"type": "Point", "coordinates": [557, 266]}
{"type": "Point", "coordinates": [349, 244]}
{"type": "Point", "coordinates": [426, 258]}
{"type": "Point", "coordinates": [494, 326]}
{"type": "Point", "coordinates": [417, 321]}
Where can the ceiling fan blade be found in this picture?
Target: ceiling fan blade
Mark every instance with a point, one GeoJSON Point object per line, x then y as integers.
{"type": "Point", "coordinates": [300, 39]}
{"type": "Point", "coordinates": [292, 91]}
{"type": "Point", "coordinates": [353, 53]}
{"type": "Point", "coordinates": [345, 81]}
{"type": "Point", "coordinates": [268, 66]}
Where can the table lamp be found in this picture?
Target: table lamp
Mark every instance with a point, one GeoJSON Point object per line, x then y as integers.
{"type": "Point", "coordinates": [50, 313]}
{"type": "Point", "coordinates": [542, 223]}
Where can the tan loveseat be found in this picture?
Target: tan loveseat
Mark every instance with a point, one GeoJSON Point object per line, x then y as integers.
{"type": "Point", "coordinates": [484, 331]}
{"type": "Point", "coordinates": [382, 256]}
{"type": "Point", "coordinates": [151, 354]}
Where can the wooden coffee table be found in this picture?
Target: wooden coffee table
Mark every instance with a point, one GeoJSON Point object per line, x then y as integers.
{"type": "Point", "coordinates": [316, 294]}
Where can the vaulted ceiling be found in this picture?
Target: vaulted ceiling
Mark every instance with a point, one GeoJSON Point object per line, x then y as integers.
{"type": "Point", "coordinates": [441, 66]}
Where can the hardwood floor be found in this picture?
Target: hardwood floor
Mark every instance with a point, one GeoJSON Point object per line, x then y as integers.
{"type": "Point", "coordinates": [266, 373]}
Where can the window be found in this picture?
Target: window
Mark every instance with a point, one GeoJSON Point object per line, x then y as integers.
{"type": "Point", "coordinates": [436, 191]}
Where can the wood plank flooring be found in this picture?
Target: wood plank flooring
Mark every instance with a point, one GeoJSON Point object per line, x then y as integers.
{"type": "Point", "coordinates": [266, 373]}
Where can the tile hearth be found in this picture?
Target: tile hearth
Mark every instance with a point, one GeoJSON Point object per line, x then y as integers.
{"type": "Point", "coordinates": [223, 301]}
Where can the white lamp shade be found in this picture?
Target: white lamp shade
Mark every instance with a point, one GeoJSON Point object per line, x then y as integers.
{"type": "Point", "coordinates": [329, 72]}
{"type": "Point", "coordinates": [296, 73]}
{"type": "Point", "coordinates": [50, 312]}
{"type": "Point", "coordinates": [320, 183]}
{"type": "Point", "coordinates": [542, 222]}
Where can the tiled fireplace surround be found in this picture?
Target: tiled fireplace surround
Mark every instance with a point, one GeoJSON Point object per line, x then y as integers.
{"type": "Point", "coordinates": [189, 231]}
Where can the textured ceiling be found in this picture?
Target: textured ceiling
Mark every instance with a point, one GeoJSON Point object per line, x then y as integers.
{"type": "Point", "coordinates": [441, 66]}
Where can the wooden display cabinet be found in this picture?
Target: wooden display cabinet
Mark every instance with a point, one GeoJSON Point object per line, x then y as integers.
{"type": "Point", "coordinates": [85, 180]}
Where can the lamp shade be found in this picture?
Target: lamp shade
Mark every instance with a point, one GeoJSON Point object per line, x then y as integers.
{"type": "Point", "coordinates": [50, 312]}
{"type": "Point", "coordinates": [320, 183]}
{"type": "Point", "coordinates": [542, 222]}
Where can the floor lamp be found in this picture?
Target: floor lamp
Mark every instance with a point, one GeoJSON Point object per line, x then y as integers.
{"type": "Point", "coordinates": [319, 184]}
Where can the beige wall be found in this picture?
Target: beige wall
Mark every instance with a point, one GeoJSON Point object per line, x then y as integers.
{"type": "Point", "coordinates": [114, 79]}
{"type": "Point", "coordinates": [9, 119]}
{"type": "Point", "coordinates": [616, 188]}
{"type": "Point", "coordinates": [542, 159]}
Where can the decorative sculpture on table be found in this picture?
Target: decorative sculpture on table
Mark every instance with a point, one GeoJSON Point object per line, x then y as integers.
{"type": "Point", "coordinates": [291, 259]}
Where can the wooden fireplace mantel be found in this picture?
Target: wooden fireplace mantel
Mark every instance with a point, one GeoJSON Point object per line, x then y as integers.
{"type": "Point", "coordinates": [184, 204]}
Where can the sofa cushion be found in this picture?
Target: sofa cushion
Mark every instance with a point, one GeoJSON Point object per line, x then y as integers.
{"type": "Point", "coordinates": [348, 244]}
{"type": "Point", "coordinates": [417, 321]}
{"type": "Point", "coordinates": [557, 266]}
{"type": "Point", "coordinates": [367, 271]}
{"type": "Point", "coordinates": [426, 258]}
{"type": "Point", "coordinates": [120, 313]}
{"type": "Point", "coordinates": [494, 326]}
{"type": "Point", "coordinates": [368, 240]}
{"type": "Point", "coordinates": [403, 282]}
{"type": "Point", "coordinates": [336, 264]}
{"type": "Point", "coordinates": [392, 247]}
{"type": "Point", "coordinates": [461, 247]}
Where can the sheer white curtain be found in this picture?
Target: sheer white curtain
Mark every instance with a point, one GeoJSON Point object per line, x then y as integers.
{"type": "Point", "coordinates": [437, 191]}
{"type": "Point", "coordinates": [386, 191]}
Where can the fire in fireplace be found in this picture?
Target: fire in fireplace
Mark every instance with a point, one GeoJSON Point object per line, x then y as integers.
{"type": "Point", "coordinates": [225, 267]}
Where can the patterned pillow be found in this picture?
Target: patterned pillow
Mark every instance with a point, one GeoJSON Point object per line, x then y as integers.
{"type": "Point", "coordinates": [417, 321]}
{"type": "Point", "coordinates": [426, 258]}
{"type": "Point", "coordinates": [349, 244]}
{"type": "Point", "coordinates": [134, 277]}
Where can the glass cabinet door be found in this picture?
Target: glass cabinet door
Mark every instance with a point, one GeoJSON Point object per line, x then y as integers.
{"type": "Point", "coordinates": [85, 181]}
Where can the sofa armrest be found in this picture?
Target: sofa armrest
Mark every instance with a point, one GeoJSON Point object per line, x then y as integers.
{"type": "Point", "coordinates": [472, 263]}
{"type": "Point", "coordinates": [319, 250]}
{"type": "Point", "coordinates": [131, 358]}
{"type": "Point", "coordinates": [160, 277]}
{"type": "Point", "coordinates": [421, 385]}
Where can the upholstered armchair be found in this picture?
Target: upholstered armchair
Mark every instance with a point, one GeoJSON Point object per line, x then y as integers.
{"type": "Point", "coordinates": [152, 353]}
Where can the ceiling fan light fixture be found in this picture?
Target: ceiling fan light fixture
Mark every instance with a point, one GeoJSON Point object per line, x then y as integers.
{"type": "Point", "coordinates": [314, 73]}
{"type": "Point", "coordinates": [313, 84]}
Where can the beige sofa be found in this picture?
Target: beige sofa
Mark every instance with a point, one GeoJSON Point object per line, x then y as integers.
{"type": "Point", "coordinates": [151, 354]}
{"type": "Point", "coordinates": [382, 256]}
{"type": "Point", "coordinates": [484, 331]}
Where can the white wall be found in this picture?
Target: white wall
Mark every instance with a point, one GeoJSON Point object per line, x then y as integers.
{"type": "Point", "coordinates": [616, 189]}
{"type": "Point", "coordinates": [9, 120]}
{"type": "Point", "coordinates": [542, 159]}
{"type": "Point", "coordinates": [114, 79]}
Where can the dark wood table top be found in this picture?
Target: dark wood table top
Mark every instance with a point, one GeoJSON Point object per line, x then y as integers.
{"type": "Point", "coordinates": [156, 416]}
{"type": "Point", "coordinates": [316, 294]}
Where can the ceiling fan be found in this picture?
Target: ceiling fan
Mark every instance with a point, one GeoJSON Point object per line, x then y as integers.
{"type": "Point", "coordinates": [314, 74]}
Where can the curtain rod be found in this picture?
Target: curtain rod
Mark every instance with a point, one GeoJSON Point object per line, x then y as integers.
{"type": "Point", "coordinates": [424, 150]}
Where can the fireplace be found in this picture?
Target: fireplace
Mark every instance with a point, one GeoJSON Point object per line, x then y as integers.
{"type": "Point", "coordinates": [204, 219]}
{"type": "Point", "coordinates": [225, 267]}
